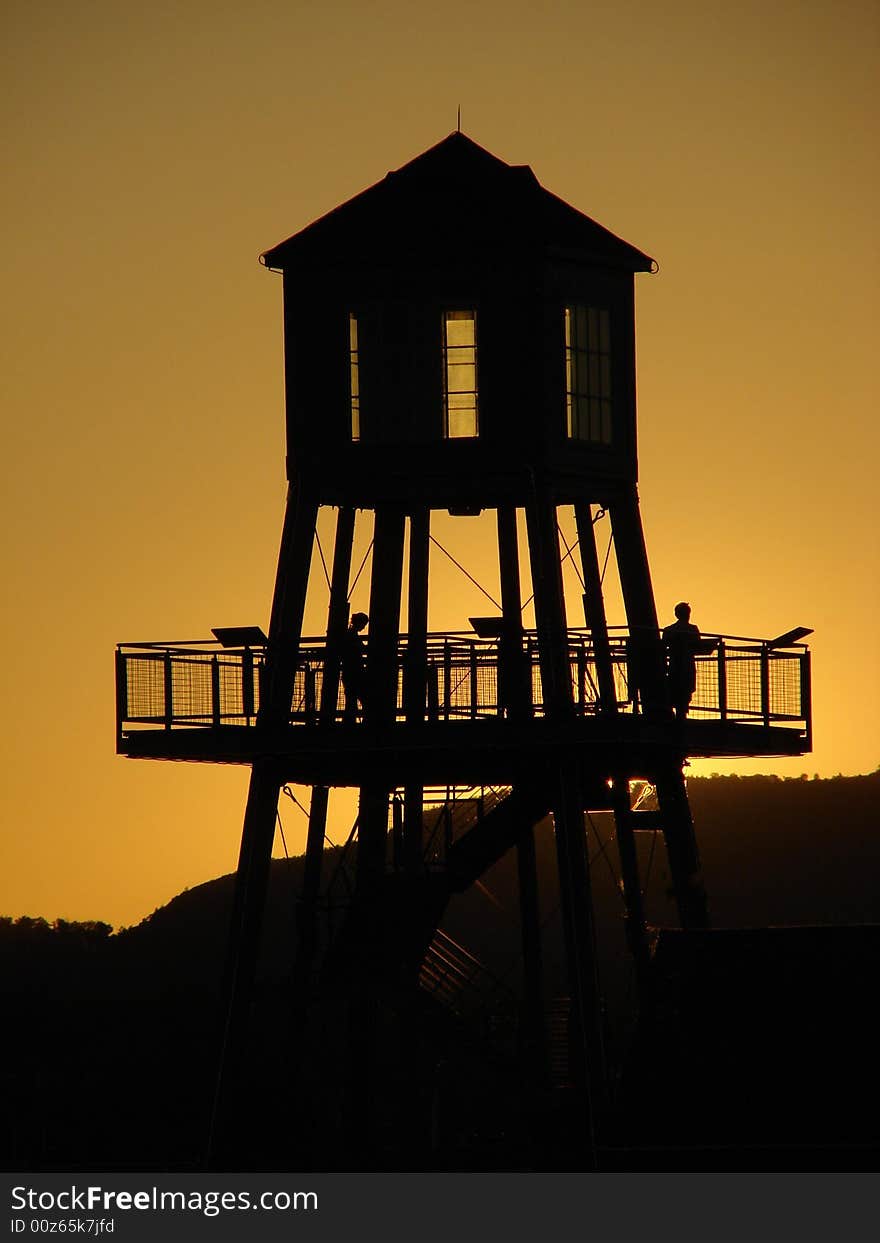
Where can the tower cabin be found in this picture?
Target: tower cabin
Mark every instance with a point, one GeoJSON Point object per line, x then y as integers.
{"type": "Point", "coordinates": [457, 338]}
{"type": "Point", "coordinates": [453, 331]}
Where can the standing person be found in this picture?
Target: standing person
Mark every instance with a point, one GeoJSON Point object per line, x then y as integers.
{"type": "Point", "coordinates": [682, 641]}
{"type": "Point", "coordinates": [353, 666]}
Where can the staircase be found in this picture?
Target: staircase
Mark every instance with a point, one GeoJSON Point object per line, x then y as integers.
{"type": "Point", "coordinates": [557, 1040]}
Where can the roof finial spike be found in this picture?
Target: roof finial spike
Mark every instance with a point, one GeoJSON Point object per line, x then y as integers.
{"type": "Point", "coordinates": [458, 123]}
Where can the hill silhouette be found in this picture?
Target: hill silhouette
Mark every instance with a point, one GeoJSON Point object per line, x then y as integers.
{"type": "Point", "coordinates": [108, 1061]}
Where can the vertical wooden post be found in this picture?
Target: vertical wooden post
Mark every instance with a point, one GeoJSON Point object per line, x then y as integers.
{"type": "Point", "coordinates": [258, 833]}
{"type": "Point", "coordinates": [678, 827]}
{"type": "Point", "coordinates": [681, 848]}
{"type": "Point", "coordinates": [416, 676]}
{"type": "Point", "coordinates": [586, 1045]}
{"type": "Point", "coordinates": [447, 679]}
{"type": "Point", "coordinates": [550, 616]}
{"type": "Point", "coordinates": [722, 680]}
{"type": "Point", "coordinates": [433, 693]}
{"type": "Point", "coordinates": [534, 1036]}
{"type": "Point", "coordinates": [512, 686]}
{"type": "Point", "coordinates": [397, 832]}
{"type": "Point", "coordinates": [636, 930]}
{"type": "Point", "coordinates": [567, 802]}
{"type": "Point", "coordinates": [765, 684]}
{"type": "Point", "coordinates": [168, 689]}
{"type": "Point", "coordinates": [121, 692]}
{"type": "Point", "coordinates": [512, 690]}
{"type": "Point", "coordinates": [247, 685]}
{"type": "Point", "coordinates": [638, 598]}
{"type": "Point", "coordinates": [806, 698]}
{"type": "Point", "coordinates": [409, 827]}
{"type": "Point", "coordinates": [337, 617]}
{"type": "Point", "coordinates": [594, 608]}
{"type": "Point", "coordinates": [381, 682]}
{"type": "Point", "coordinates": [380, 707]}
{"type": "Point", "coordinates": [215, 691]}
{"type": "Point", "coordinates": [337, 614]}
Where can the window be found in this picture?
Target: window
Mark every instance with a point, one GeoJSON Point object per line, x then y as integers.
{"type": "Point", "coordinates": [588, 374]}
{"type": "Point", "coordinates": [354, 386]}
{"type": "Point", "coordinates": [460, 374]}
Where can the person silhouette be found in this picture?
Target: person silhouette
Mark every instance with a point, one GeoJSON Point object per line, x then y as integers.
{"type": "Point", "coordinates": [353, 667]}
{"type": "Point", "coordinates": [682, 642]}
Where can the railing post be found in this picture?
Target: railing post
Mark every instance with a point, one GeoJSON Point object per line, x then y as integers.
{"type": "Point", "coordinates": [594, 611]}
{"type": "Point", "coordinates": [397, 832]}
{"type": "Point", "coordinates": [765, 683]}
{"type": "Point", "coordinates": [618, 672]}
{"type": "Point", "coordinates": [121, 690]}
{"type": "Point", "coordinates": [447, 678]}
{"type": "Point", "coordinates": [530, 669]}
{"type": "Point", "coordinates": [582, 678]}
{"type": "Point", "coordinates": [722, 680]}
{"type": "Point", "coordinates": [807, 698]}
{"type": "Point", "coordinates": [500, 674]}
{"type": "Point", "coordinates": [215, 691]}
{"type": "Point", "coordinates": [247, 683]}
{"type": "Point", "coordinates": [473, 679]}
{"type": "Point", "coordinates": [309, 698]}
{"type": "Point", "coordinates": [168, 686]}
{"type": "Point", "coordinates": [433, 692]}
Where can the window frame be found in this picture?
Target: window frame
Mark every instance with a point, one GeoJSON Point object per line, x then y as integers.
{"type": "Point", "coordinates": [589, 390]}
{"type": "Point", "coordinates": [452, 314]}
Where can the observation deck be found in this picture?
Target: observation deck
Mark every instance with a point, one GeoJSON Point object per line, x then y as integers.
{"type": "Point", "coordinates": [199, 701]}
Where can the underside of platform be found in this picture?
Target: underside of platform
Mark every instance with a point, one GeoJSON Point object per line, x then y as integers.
{"type": "Point", "coordinates": [482, 751]}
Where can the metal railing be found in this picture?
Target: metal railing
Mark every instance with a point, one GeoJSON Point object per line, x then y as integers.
{"type": "Point", "coordinates": [201, 684]}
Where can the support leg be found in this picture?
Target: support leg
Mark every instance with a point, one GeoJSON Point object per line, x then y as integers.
{"type": "Point", "coordinates": [586, 1044]}
{"type": "Point", "coordinates": [382, 674]}
{"type": "Point", "coordinates": [258, 834]}
{"type": "Point", "coordinates": [416, 677]}
{"type": "Point", "coordinates": [512, 692]}
{"type": "Point", "coordinates": [594, 609]}
{"type": "Point", "coordinates": [636, 930]}
{"type": "Point", "coordinates": [337, 617]}
{"type": "Point", "coordinates": [550, 616]}
{"type": "Point", "coordinates": [379, 710]}
{"type": "Point", "coordinates": [635, 578]}
{"type": "Point", "coordinates": [567, 801]}
{"type": "Point", "coordinates": [534, 1037]}
{"type": "Point", "coordinates": [638, 597]}
{"type": "Point", "coordinates": [681, 848]}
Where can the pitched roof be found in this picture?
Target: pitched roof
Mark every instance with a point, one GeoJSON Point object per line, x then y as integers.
{"type": "Point", "coordinates": [455, 197]}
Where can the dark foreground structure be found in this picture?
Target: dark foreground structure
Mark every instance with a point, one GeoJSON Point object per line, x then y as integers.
{"type": "Point", "coordinates": [457, 339]}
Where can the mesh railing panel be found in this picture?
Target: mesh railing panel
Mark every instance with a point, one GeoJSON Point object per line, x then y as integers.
{"type": "Point", "coordinates": [706, 698]}
{"type": "Point", "coordinates": [463, 682]}
{"type": "Point", "coordinates": [145, 688]}
{"type": "Point", "coordinates": [743, 673]}
{"type": "Point", "coordinates": [231, 697]}
{"type": "Point", "coordinates": [487, 686]}
{"type": "Point", "coordinates": [192, 699]}
{"type": "Point", "coordinates": [785, 687]}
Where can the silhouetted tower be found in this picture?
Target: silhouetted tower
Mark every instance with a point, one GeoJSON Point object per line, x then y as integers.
{"type": "Point", "coordinates": [459, 339]}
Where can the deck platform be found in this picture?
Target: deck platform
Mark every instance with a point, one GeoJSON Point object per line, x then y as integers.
{"type": "Point", "coordinates": [200, 702]}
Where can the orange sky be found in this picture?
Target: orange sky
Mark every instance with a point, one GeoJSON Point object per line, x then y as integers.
{"type": "Point", "coordinates": [153, 151]}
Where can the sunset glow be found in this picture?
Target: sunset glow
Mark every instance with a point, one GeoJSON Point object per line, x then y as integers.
{"type": "Point", "coordinates": [153, 154]}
